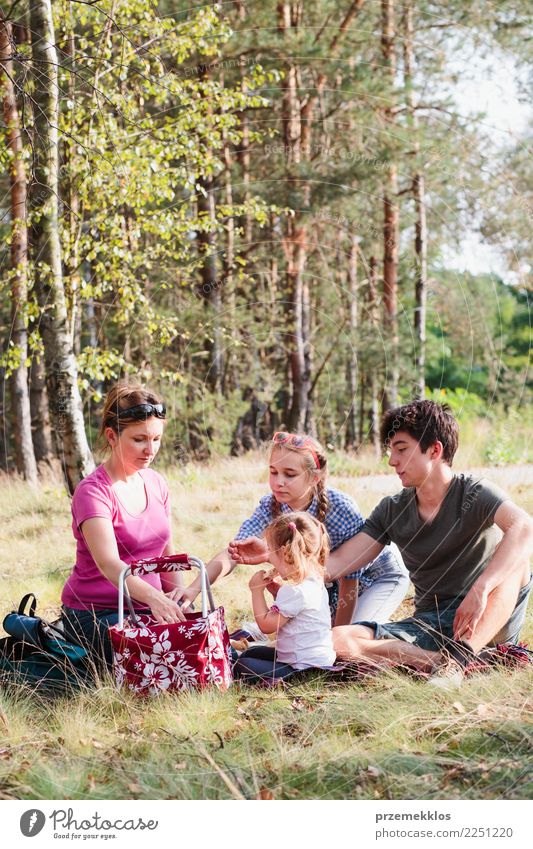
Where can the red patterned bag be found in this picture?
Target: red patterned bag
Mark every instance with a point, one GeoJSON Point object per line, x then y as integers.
{"type": "Point", "coordinates": [150, 658]}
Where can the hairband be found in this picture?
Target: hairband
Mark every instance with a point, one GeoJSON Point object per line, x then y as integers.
{"type": "Point", "coordinates": [297, 440]}
{"type": "Point", "coordinates": [292, 526]}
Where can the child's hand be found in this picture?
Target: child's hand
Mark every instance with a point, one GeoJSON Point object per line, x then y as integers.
{"type": "Point", "coordinates": [252, 550]}
{"type": "Point", "coordinates": [274, 582]}
{"type": "Point", "coordinates": [183, 597]}
{"type": "Point", "coordinates": [259, 580]}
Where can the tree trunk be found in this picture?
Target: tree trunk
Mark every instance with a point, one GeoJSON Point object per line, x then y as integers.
{"type": "Point", "coordinates": [20, 398]}
{"type": "Point", "coordinates": [40, 417]}
{"type": "Point", "coordinates": [351, 429]}
{"type": "Point", "coordinates": [273, 273]}
{"type": "Point", "coordinates": [244, 159]}
{"type": "Point", "coordinates": [294, 242]}
{"type": "Point", "coordinates": [309, 422]}
{"type": "Point", "coordinates": [362, 387]}
{"type": "Point", "coordinates": [5, 436]}
{"type": "Point", "coordinates": [60, 363]}
{"type": "Point", "coordinates": [372, 378]}
{"type": "Point", "coordinates": [421, 282]}
{"type": "Point", "coordinates": [210, 286]}
{"type": "Point", "coordinates": [295, 249]}
{"type": "Point", "coordinates": [231, 374]}
{"type": "Point", "coordinates": [72, 217]}
{"type": "Point", "coordinates": [390, 210]}
{"type": "Point", "coordinates": [420, 244]}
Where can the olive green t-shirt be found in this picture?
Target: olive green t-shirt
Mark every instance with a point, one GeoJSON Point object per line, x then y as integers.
{"type": "Point", "coordinates": [445, 556]}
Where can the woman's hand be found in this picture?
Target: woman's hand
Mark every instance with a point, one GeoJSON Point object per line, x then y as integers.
{"type": "Point", "coordinates": [164, 609]}
{"type": "Point", "coordinates": [252, 550]}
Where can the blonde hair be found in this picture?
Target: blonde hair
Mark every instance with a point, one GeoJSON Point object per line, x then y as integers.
{"type": "Point", "coordinates": [302, 542]}
{"type": "Point", "coordinates": [124, 394]}
{"type": "Point", "coordinates": [309, 446]}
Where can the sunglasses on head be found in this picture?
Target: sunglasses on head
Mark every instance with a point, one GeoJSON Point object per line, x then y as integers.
{"type": "Point", "coordinates": [141, 412]}
{"type": "Point", "coordinates": [295, 440]}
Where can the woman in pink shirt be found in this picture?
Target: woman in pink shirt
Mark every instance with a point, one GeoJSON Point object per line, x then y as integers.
{"type": "Point", "coordinates": [121, 513]}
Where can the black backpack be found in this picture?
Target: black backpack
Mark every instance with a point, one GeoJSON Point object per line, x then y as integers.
{"type": "Point", "coordinates": [37, 656]}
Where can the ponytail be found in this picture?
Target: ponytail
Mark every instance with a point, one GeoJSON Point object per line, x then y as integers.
{"type": "Point", "coordinates": [303, 541]}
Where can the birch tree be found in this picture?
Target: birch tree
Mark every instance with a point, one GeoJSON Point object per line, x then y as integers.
{"type": "Point", "coordinates": [60, 362]}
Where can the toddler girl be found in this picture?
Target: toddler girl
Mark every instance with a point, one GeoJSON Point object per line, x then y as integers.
{"type": "Point", "coordinates": [298, 549]}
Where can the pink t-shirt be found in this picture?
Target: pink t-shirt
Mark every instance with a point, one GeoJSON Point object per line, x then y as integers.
{"type": "Point", "coordinates": [138, 537]}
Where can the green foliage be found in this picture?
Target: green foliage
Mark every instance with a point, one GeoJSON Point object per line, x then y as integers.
{"type": "Point", "coordinates": [140, 129]}
{"type": "Point", "coordinates": [505, 447]}
{"type": "Point", "coordinates": [96, 366]}
{"type": "Point", "coordinates": [466, 406]}
{"type": "Point", "coordinates": [11, 358]}
{"type": "Point", "coordinates": [166, 107]}
{"type": "Point", "coordinates": [479, 338]}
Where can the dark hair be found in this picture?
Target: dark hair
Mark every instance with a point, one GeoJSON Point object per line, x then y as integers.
{"type": "Point", "coordinates": [121, 396]}
{"type": "Point", "coordinates": [427, 422]}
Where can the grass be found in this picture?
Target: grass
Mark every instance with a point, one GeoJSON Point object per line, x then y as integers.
{"type": "Point", "coordinates": [380, 739]}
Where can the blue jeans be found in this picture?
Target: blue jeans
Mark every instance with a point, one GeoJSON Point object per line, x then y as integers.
{"type": "Point", "coordinates": [432, 629]}
{"type": "Point", "coordinates": [259, 664]}
{"type": "Point", "coordinates": [378, 602]}
{"type": "Point", "coordinates": [88, 628]}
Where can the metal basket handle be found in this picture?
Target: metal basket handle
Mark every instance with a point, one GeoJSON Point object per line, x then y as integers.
{"type": "Point", "coordinates": [173, 563]}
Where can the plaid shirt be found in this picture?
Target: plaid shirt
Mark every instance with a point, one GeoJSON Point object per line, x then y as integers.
{"type": "Point", "coordinates": [343, 521]}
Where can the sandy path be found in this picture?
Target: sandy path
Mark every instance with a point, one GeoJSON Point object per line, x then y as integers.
{"type": "Point", "coordinates": [507, 477]}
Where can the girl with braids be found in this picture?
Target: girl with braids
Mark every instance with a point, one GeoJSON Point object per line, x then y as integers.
{"type": "Point", "coordinates": [297, 548]}
{"type": "Point", "coordinates": [298, 478]}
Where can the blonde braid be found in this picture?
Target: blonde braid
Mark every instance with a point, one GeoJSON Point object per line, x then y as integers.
{"type": "Point", "coordinates": [276, 508]}
{"type": "Point", "coordinates": [323, 500]}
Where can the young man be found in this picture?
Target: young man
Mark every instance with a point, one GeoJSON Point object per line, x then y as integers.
{"type": "Point", "coordinates": [471, 583]}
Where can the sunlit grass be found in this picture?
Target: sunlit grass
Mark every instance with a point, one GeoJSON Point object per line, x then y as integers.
{"type": "Point", "coordinates": [386, 737]}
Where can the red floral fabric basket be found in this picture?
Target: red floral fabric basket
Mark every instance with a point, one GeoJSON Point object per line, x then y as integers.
{"type": "Point", "coordinates": [150, 658]}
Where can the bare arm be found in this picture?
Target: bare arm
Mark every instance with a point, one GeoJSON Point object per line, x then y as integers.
{"type": "Point", "coordinates": [513, 551]}
{"type": "Point", "coordinates": [219, 566]}
{"type": "Point", "coordinates": [353, 555]}
{"type": "Point", "coordinates": [172, 582]}
{"type": "Point", "coordinates": [348, 589]}
{"type": "Point", "coordinates": [101, 542]}
{"type": "Point", "coordinates": [269, 621]}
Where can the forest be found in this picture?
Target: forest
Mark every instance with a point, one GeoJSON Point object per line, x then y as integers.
{"type": "Point", "coordinates": [252, 208]}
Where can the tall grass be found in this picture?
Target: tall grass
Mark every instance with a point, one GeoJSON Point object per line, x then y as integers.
{"type": "Point", "coordinates": [376, 738]}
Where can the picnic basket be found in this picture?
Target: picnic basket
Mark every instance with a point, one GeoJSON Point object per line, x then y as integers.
{"type": "Point", "coordinates": [151, 658]}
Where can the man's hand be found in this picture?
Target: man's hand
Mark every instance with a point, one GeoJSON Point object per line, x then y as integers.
{"type": "Point", "coordinates": [469, 613]}
{"type": "Point", "coordinates": [252, 550]}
